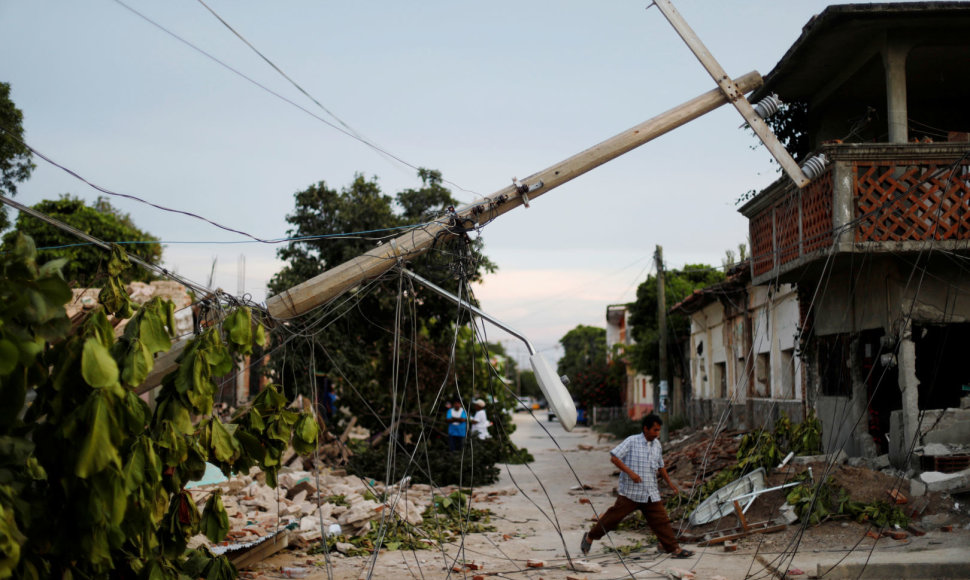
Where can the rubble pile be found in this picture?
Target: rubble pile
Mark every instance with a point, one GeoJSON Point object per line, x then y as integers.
{"type": "Point", "coordinates": [342, 505]}
{"type": "Point", "coordinates": [693, 459]}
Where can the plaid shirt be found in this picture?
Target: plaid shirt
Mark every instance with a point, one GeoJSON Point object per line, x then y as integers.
{"type": "Point", "coordinates": [644, 458]}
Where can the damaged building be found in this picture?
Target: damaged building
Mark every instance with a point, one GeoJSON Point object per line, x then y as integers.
{"type": "Point", "coordinates": [744, 370]}
{"type": "Point", "coordinates": [877, 243]}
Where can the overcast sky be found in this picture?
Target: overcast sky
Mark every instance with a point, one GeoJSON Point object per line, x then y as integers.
{"type": "Point", "coordinates": [480, 91]}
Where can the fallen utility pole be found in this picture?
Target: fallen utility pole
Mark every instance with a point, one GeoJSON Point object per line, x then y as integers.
{"type": "Point", "coordinates": [733, 92]}
{"type": "Point", "coordinates": [337, 280]}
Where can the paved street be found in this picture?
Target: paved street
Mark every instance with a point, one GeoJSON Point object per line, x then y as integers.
{"type": "Point", "coordinates": [544, 518]}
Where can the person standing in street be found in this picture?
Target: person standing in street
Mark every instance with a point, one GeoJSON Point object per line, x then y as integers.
{"type": "Point", "coordinates": [479, 420]}
{"type": "Point", "coordinates": [639, 459]}
{"type": "Point", "coordinates": [457, 426]}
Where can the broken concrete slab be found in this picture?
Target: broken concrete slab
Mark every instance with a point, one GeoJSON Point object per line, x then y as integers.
{"type": "Point", "coordinates": [833, 458]}
{"type": "Point", "coordinates": [938, 481]}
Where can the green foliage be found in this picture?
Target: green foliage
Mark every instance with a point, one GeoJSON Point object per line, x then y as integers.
{"type": "Point", "coordinates": [15, 163]}
{"type": "Point", "coordinates": [88, 266]}
{"type": "Point", "coordinates": [433, 463]}
{"type": "Point", "coordinates": [758, 449]}
{"type": "Point", "coordinates": [599, 385]}
{"type": "Point", "coordinates": [584, 347]}
{"type": "Point", "coordinates": [619, 428]}
{"type": "Point", "coordinates": [91, 479]}
{"type": "Point", "coordinates": [354, 346]}
{"type": "Point", "coordinates": [453, 514]}
{"type": "Point", "coordinates": [528, 384]}
{"type": "Point", "coordinates": [816, 503]}
{"type": "Point", "coordinates": [625, 549]}
{"type": "Point", "coordinates": [678, 284]}
{"type": "Point", "coordinates": [447, 517]}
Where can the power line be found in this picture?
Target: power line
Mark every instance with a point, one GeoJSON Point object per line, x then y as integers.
{"type": "Point", "coordinates": [253, 238]}
{"type": "Point", "coordinates": [345, 129]}
{"type": "Point", "coordinates": [106, 246]}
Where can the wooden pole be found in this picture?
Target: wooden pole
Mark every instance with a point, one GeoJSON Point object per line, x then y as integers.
{"type": "Point", "coordinates": [732, 92]}
{"type": "Point", "coordinates": [662, 396]}
{"type": "Point", "coordinates": [337, 280]}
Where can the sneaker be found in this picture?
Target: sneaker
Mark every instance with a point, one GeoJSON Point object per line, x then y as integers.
{"type": "Point", "coordinates": [585, 545]}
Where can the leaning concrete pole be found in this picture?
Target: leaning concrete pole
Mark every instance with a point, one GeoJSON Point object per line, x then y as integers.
{"type": "Point", "coordinates": [337, 280]}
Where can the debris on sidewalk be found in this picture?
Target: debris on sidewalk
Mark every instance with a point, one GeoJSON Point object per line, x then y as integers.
{"type": "Point", "coordinates": [585, 566]}
{"type": "Point", "coordinates": [679, 574]}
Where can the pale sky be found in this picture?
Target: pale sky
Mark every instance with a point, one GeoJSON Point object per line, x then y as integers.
{"type": "Point", "coordinates": [480, 91]}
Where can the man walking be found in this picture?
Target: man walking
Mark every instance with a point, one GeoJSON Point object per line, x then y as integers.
{"type": "Point", "coordinates": [639, 458]}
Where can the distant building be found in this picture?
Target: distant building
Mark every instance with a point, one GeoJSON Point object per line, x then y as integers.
{"type": "Point", "coordinates": [638, 393]}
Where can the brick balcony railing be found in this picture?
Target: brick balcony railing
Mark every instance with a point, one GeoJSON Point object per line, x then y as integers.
{"type": "Point", "coordinates": [871, 197]}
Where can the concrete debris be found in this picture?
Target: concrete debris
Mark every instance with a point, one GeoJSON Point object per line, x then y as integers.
{"type": "Point", "coordinates": [255, 510]}
{"type": "Point", "coordinates": [344, 547]}
{"type": "Point", "coordinates": [832, 458]}
{"type": "Point", "coordinates": [788, 514]}
{"type": "Point", "coordinates": [880, 462]}
{"type": "Point", "coordinates": [585, 566]}
{"type": "Point", "coordinates": [679, 574]}
{"type": "Point", "coordinates": [936, 449]}
{"type": "Point", "coordinates": [938, 481]}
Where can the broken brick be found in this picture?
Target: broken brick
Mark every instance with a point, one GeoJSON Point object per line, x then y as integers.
{"type": "Point", "coordinates": [916, 530]}
{"type": "Point", "coordinates": [896, 496]}
{"type": "Point", "coordinates": [730, 546]}
{"type": "Point", "coordinates": [584, 500]}
{"type": "Point", "coordinates": [535, 564]}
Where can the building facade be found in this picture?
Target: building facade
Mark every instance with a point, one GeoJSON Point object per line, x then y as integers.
{"type": "Point", "coordinates": [878, 244]}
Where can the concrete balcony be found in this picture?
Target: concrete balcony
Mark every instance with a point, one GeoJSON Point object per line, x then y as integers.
{"type": "Point", "coordinates": [871, 198]}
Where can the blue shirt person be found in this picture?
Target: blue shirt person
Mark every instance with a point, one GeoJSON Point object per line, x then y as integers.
{"type": "Point", "coordinates": [457, 426]}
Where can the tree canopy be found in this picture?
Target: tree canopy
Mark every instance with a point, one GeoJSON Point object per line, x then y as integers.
{"type": "Point", "coordinates": [643, 316]}
{"type": "Point", "coordinates": [92, 480]}
{"type": "Point", "coordinates": [15, 163]}
{"type": "Point", "coordinates": [583, 347]}
{"type": "Point", "coordinates": [353, 341]}
{"type": "Point", "coordinates": [85, 266]}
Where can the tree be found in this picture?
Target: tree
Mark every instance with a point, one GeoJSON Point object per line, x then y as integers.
{"type": "Point", "coordinates": [92, 480]}
{"type": "Point", "coordinates": [528, 384]}
{"type": "Point", "coordinates": [645, 355]}
{"type": "Point", "coordinates": [583, 347]}
{"type": "Point", "coordinates": [15, 163]}
{"type": "Point", "coordinates": [353, 341]}
{"type": "Point", "coordinates": [600, 384]}
{"type": "Point", "coordinates": [85, 265]}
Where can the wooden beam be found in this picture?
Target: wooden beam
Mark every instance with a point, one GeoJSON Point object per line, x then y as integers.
{"type": "Point", "coordinates": [337, 280]}
{"type": "Point", "coordinates": [732, 92]}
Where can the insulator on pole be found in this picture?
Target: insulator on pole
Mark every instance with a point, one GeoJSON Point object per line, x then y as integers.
{"type": "Point", "coordinates": [767, 106]}
{"type": "Point", "coordinates": [815, 165]}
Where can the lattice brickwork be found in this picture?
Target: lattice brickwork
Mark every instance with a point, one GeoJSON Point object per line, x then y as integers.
{"type": "Point", "coordinates": [762, 244]}
{"type": "Point", "coordinates": [899, 201]}
{"type": "Point", "coordinates": [786, 227]}
{"type": "Point", "coordinates": [817, 214]}
{"type": "Point", "coordinates": [779, 223]}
